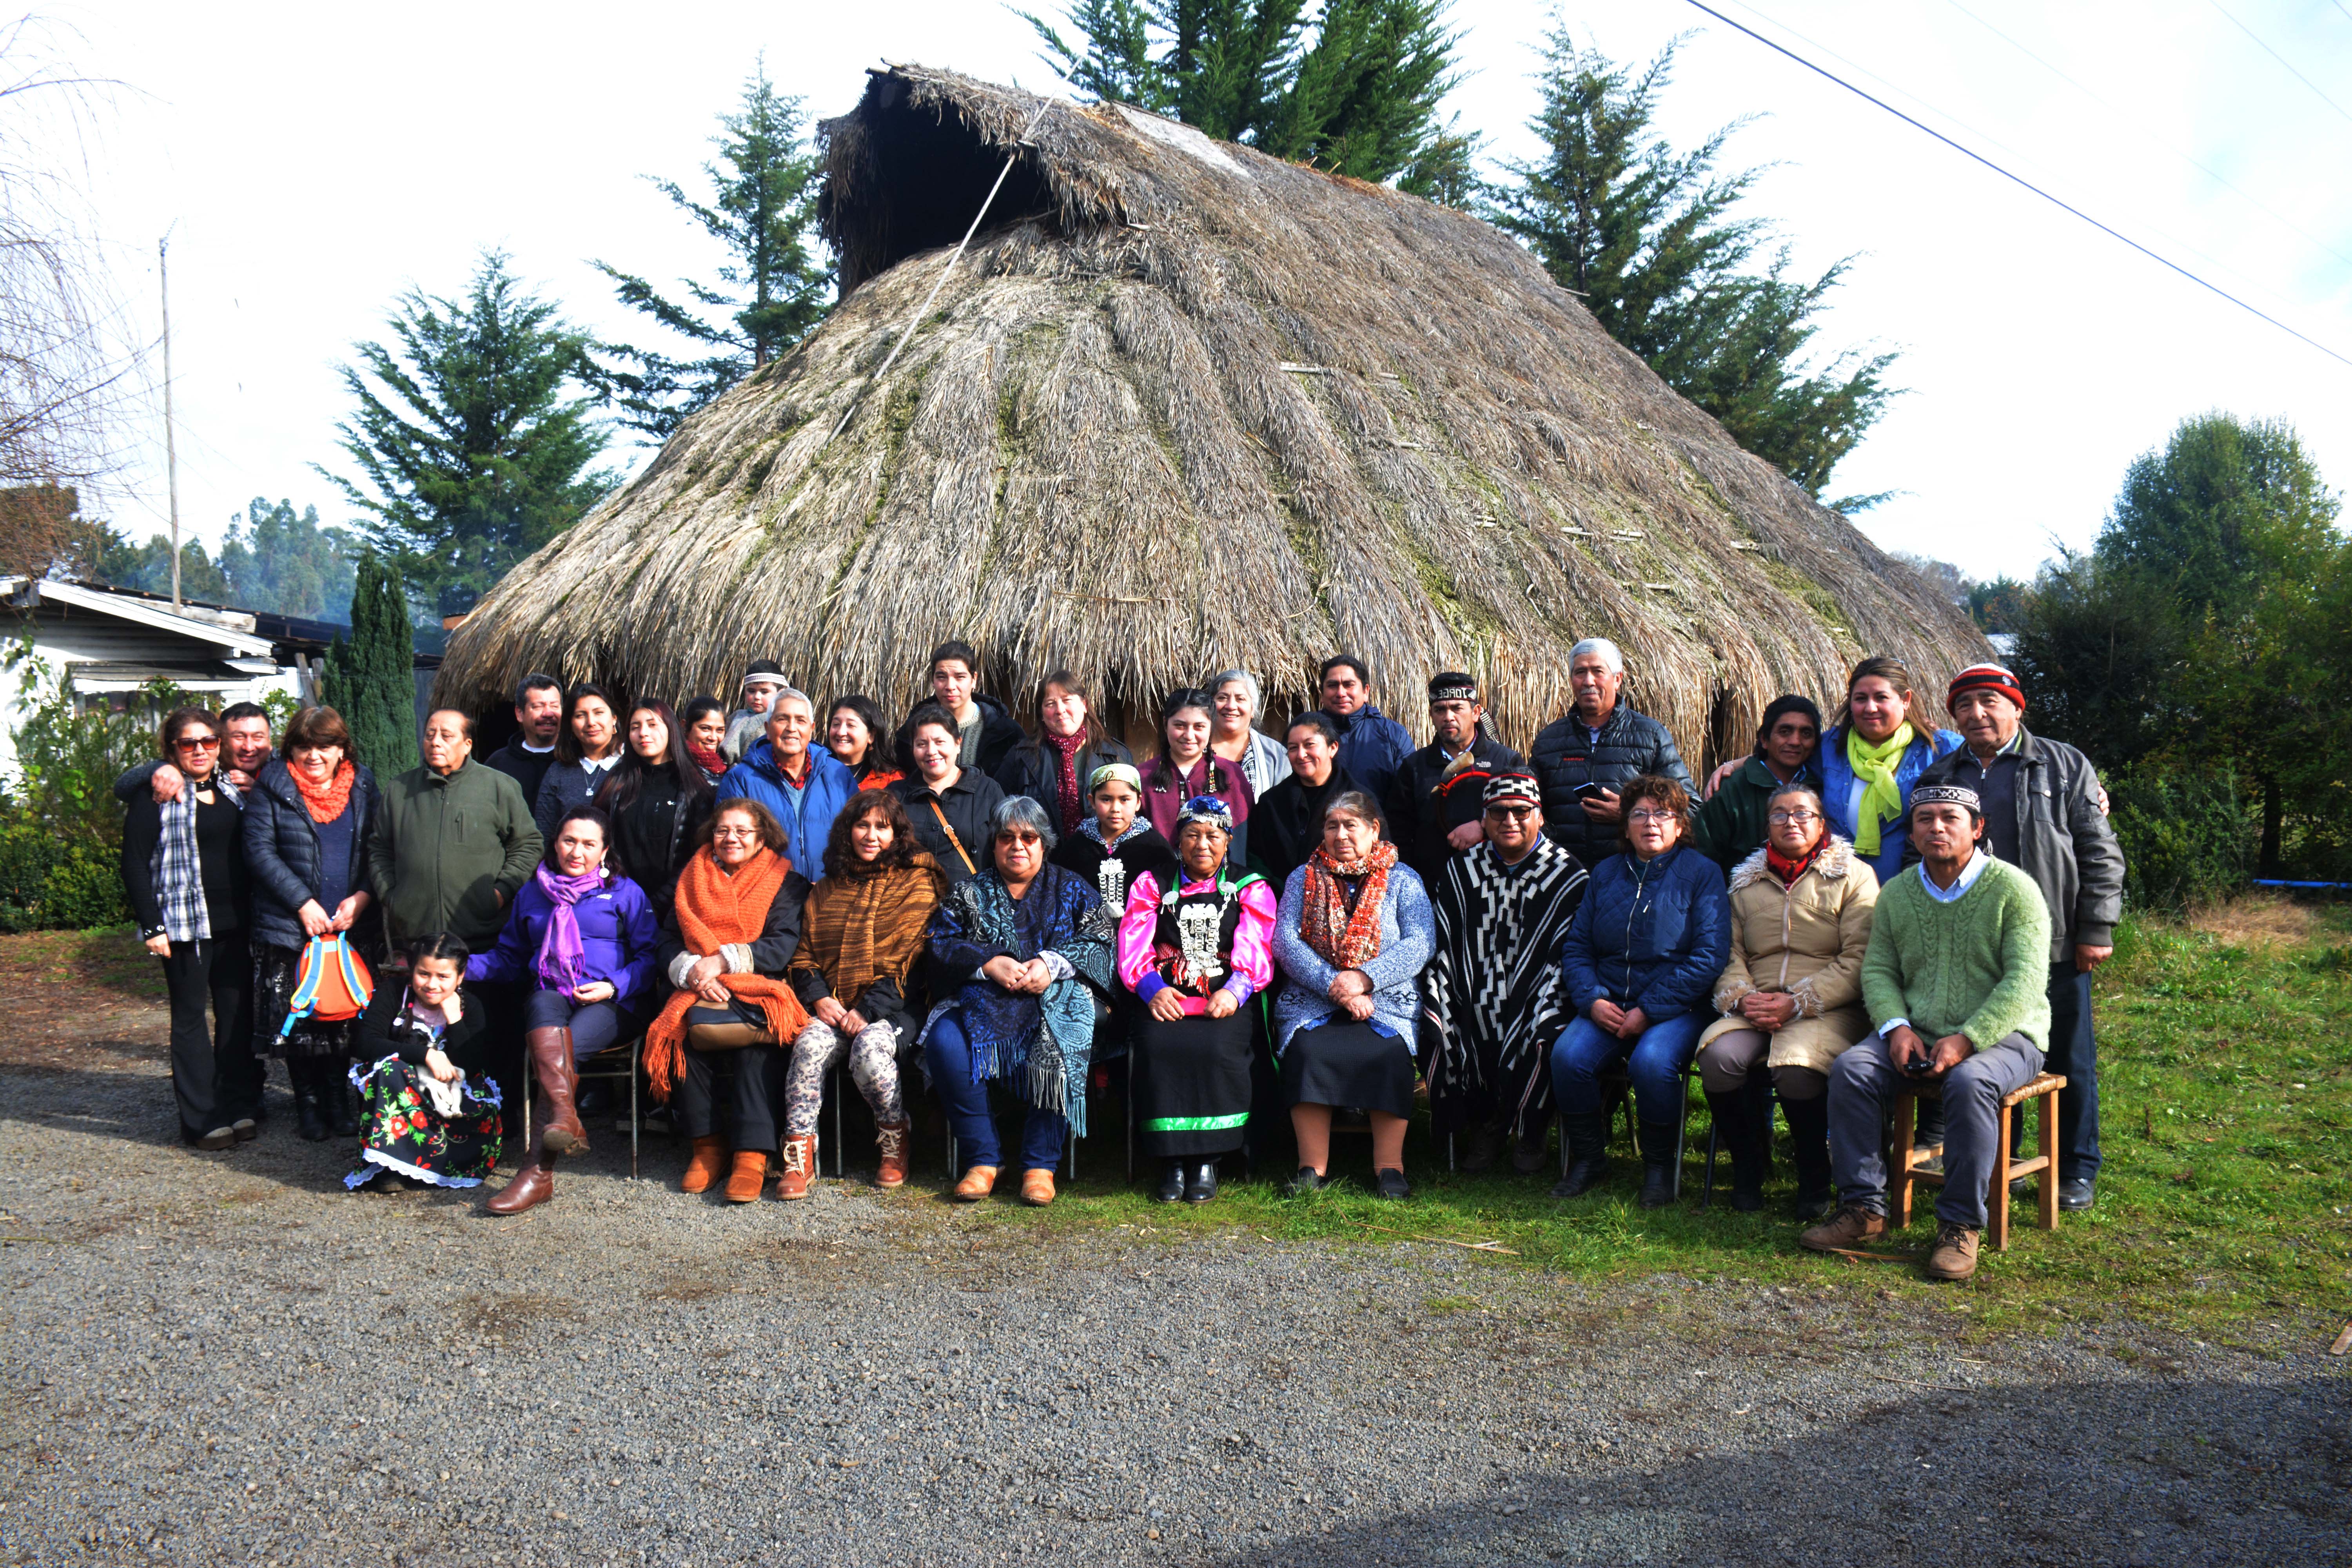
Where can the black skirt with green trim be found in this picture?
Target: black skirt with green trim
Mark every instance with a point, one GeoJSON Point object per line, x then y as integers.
{"type": "Point", "coordinates": [1192, 1084]}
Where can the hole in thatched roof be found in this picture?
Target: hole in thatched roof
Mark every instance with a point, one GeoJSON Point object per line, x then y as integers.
{"type": "Point", "coordinates": [906, 175]}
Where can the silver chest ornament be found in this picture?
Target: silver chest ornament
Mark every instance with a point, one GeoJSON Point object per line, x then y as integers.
{"type": "Point", "coordinates": [1196, 932]}
{"type": "Point", "coordinates": [1110, 881]}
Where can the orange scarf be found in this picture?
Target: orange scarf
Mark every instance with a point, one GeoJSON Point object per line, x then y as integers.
{"type": "Point", "coordinates": [714, 910]}
{"type": "Point", "coordinates": [326, 801]}
{"type": "Point", "coordinates": [1345, 936]}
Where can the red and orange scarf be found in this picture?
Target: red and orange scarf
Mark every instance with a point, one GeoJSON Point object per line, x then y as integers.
{"type": "Point", "coordinates": [1346, 934]}
{"type": "Point", "coordinates": [325, 802]}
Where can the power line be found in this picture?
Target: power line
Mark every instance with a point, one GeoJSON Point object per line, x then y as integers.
{"type": "Point", "coordinates": [2212, 173]}
{"type": "Point", "coordinates": [2282, 59]}
{"type": "Point", "coordinates": [1971, 153]}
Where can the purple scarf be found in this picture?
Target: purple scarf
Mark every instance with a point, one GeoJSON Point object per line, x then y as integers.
{"type": "Point", "coordinates": [563, 959]}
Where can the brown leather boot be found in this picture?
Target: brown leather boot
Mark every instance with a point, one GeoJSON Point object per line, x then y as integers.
{"type": "Point", "coordinates": [799, 1167]}
{"type": "Point", "coordinates": [1849, 1229]}
{"type": "Point", "coordinates": [550, 1063]}
{"type": "Point", "coordinates": [1038, 1188]}
{"type": "Point", "coordinates": [977, 1183]}
{"type": "Point", "coordinates": [533, 1184]}
{"type": "Point", "coordinates": [1954, 1255]}
{"type": "Point", "coordinates": [710, 1158]}
{"type": "Point", "coordinates": [891, 1141]}
{"type": "Point", "coordinates": [749, 1174]}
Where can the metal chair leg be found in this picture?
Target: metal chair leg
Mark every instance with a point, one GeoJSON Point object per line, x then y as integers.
{"type": "Point", "coordinates": [637, 1051]}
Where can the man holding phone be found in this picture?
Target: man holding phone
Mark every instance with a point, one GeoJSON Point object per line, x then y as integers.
{"type": "Point", "coordinates": [1582, 757]}
{"type": "Point", "coordinates": [1955, 978]}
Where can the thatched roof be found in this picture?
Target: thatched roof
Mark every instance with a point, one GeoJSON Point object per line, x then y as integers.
{"type": "Point", "coordinates": [1184, 406]}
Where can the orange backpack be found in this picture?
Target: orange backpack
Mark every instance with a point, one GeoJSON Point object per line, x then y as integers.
{"type": "Point", "coordinates": [332, 984]}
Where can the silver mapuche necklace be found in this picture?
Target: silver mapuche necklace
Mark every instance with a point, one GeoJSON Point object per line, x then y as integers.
{"type": "Point", "coordinates": [1198, 927]}
{"type": "Point", "coordinates": [1110, 881]}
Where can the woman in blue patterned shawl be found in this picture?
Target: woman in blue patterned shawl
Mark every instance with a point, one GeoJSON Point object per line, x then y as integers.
{"type": "Point", "coordinates": [1030, 943]}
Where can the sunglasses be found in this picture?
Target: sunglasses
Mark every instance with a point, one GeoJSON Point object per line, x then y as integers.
{"type": "Point", "coordinates": [198, 742]}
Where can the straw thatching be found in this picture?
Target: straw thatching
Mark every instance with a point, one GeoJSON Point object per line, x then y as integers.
{"type": "Point", "coordinates": [1184, 406]}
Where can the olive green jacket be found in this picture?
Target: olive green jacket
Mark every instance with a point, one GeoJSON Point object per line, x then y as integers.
{"type": "Point", "coordinates": [450, 853]}
{"type": "Point", "coordinates": [1730, 826]}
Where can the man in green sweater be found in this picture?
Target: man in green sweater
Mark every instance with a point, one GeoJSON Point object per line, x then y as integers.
{"type": "Point", "coordinates": [1955, 978]}
{"type": "Point", "coordinates": [453, 843]}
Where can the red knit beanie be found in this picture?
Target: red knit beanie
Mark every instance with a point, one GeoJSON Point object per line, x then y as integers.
{"type": "Point", "coordinates": [1985, 677]}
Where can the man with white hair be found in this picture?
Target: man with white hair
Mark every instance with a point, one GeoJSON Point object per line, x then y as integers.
{"type": "Point", "coordinates": [1583, 756]}
{"type": "Point", "coordinates": [803, 787]}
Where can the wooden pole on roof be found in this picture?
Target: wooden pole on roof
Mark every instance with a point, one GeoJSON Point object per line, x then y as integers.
{"type": "Point", "coordinates": [171, 446]}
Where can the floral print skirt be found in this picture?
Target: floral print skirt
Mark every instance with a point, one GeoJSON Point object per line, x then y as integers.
{"type": "Point", "coordinates": [401, 1130]}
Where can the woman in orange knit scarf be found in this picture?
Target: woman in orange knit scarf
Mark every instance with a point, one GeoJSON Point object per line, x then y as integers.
{"type": "Point", "coordinates": [733, 930]}
{"type": "Point", "coordinates": [306, 851]}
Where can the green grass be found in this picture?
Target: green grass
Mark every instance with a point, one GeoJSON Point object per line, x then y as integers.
{"type": "Point", "coordinates": [2223, 1209]}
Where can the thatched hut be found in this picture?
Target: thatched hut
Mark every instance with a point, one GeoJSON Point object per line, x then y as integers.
{"type": "Point", "coordinates": [1182, 406]}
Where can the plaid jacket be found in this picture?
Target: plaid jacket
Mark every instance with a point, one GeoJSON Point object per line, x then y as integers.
{"type": "Point", "coordinates": [179, 879]}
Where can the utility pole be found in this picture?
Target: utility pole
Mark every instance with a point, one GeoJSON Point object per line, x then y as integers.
{"type": "Point", "coordinates": [171, 444]}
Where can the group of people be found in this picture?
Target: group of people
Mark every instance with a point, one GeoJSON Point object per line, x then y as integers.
{"type": "Point", "coordinates": [1309, 926]}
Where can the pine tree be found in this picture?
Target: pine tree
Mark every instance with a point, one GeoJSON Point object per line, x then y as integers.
{"type": "Point", "coordinates": [371, 679]}
{"type": "Point", "coordinates": [1647, 237]}
{"type": "Point", "coordinates": [474, 451]}
{"type": "Point", "coordinates": [773, 289]}
{"type": "Point", "coordinates": [1355, 90]}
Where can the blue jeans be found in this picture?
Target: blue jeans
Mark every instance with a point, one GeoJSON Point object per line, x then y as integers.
{"type": "Point", "coordinates": [1654, 1060]}
{"type": "Point", "coordinates": [948, 1053]}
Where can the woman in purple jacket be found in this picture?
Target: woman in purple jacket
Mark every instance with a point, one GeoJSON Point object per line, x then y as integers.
{"type": "Point", "coordinates": [583, 936]}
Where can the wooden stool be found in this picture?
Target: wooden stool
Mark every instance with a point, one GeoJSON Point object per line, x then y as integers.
{"type": "Point", "coordinates": [1903, 1166]}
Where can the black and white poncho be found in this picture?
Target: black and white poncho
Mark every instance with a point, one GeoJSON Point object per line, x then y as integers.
{"type": "Point", "coordinates": [1493, 990]}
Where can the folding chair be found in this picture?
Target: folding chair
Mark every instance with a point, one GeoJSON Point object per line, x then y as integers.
{"type": "Point", "coordinates": [612, 1062]}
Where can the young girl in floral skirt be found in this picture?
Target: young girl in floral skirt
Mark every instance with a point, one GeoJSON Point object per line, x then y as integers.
{"type": "Point", "coordinates": [431, 1108]}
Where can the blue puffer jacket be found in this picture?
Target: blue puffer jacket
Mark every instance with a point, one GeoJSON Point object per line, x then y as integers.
{"type": "Point", "coordinates": [830, 785]}
{"type": "Point", "coordinates": [1372, 747]}
{"type": "Point", "coordinates": [1650, 934]}
{"type": "Point", "coordinates": [1837, 792]}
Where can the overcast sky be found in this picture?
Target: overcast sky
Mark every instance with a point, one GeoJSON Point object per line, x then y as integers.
{"type": "Point", "coordinates": [313, 160]}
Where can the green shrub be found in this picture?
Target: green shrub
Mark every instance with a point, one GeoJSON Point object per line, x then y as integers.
{"type": "Point", "coordinates": [2188, 838]}
{"type": "Point", "coordinates": [50, 881]}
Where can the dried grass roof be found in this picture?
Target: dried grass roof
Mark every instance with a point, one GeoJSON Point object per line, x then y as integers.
{"type": "Point", "coordinates": [1185, 406]}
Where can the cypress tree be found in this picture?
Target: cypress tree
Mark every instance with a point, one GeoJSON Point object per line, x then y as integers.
{"type": "Point", "coordinates": [371, 679]}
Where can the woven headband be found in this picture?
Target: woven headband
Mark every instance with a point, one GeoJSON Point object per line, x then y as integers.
{"type": "Point", "coordinates": [1948, 794]}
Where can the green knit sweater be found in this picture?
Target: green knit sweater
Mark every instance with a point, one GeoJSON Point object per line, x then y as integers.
{"type": "Point", "coordinates": [1977, 966]}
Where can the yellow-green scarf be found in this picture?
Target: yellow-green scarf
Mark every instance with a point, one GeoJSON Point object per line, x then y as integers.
{"type": "Point", "coordinates": [1882, 797]}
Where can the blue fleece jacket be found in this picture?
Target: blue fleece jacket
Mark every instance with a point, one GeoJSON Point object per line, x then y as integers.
{"type": "Point", "coordinates": [806, 813]}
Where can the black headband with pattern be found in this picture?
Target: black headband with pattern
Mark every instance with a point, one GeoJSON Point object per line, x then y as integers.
{"type": "Point", "coordinates": [1948, 794]}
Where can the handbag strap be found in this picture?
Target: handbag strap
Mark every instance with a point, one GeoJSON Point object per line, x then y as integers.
{"type": "Point", "coordinates": [947, 830]}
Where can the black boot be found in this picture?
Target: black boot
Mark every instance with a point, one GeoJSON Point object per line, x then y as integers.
{"type": "Point", "coordinates": [1808, 1144]}
{"type": "Point", "coordinates": [1587, 1136]}
{"type": "Point", "coordinates": [1171, 1182]}
{"type": "Point", "coordinates": [1760, 1110]}
{"type": "Point", "coordinates": [309, 1114]}
{"type": "Point", "coordinates": [1734, 1129]}
{"type": "Point", "coordinates": [1657, 1139]}
{"type": "Point", "coordinates": [343, 1102]}
{"type": "Point", "coordinates": [1204, 1185]}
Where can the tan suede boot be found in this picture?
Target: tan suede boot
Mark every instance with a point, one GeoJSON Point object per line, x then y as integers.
{"type": "Point", "coordinates": [710, 1158]}
{"type": "Point", "coordinates": [749, 1174]}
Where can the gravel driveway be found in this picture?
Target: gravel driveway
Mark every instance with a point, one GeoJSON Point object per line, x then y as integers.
{"type": "Point", "coordinates": [226, 1359]}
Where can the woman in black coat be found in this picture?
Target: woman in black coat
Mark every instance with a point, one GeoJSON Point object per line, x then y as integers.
{"type": "Point", "coordinates": [306, 851]}
{"type": "Point", "coordinates": [1052, 769]}
{"type": "Point", "coordinates": [658, 799]}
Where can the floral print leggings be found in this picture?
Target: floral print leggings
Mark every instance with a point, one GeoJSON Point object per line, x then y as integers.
{"type": "Point", "coordinates": [872, 1053]}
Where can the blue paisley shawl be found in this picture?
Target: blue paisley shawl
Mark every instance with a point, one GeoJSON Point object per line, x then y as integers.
{"type": "Point", "coordinates": [1042, 1044]}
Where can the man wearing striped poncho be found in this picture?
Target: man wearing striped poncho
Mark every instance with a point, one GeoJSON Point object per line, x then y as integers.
{"type": "Point", "coordinates": [1493, 991]}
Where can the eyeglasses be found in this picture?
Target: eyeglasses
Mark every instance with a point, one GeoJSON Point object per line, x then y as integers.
{"type": "Point", "coordinates": [198, 742]}
{"type": "Point", "coordinates": [734, 832]}
{"type": "Point", "coordinates": [1645, 815]}
{"type": "Point", "coordinates": [1802, 819]}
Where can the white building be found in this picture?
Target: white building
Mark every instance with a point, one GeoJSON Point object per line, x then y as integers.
{"type": "Point", "coordinates": [108, 643]}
